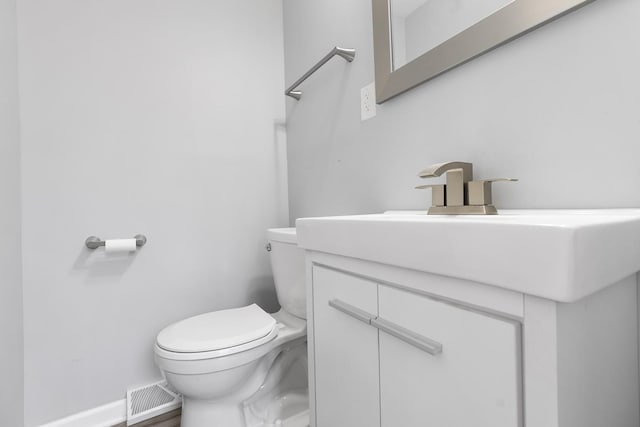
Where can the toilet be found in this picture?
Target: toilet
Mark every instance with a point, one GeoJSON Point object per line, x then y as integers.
{"type": "Point", "coordinates": [244, 367]}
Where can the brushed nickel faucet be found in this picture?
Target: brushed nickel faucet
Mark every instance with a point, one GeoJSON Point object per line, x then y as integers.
{"type": "Point", "coordinates": [461, 195]}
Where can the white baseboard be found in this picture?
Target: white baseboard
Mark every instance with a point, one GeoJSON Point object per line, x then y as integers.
{"type": "Point", "coordinates": [103, 416]}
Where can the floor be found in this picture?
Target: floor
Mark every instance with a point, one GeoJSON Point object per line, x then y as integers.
{"type": "Point", "coordinates": [170, 419]}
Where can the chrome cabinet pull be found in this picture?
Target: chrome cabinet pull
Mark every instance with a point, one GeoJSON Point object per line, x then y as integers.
{"type": "Point", "coordinates": [426, 344]}
{"type": "Point", "coordinates": [430, 346]}
{"type": "Point", "coordinates": [352, 311]}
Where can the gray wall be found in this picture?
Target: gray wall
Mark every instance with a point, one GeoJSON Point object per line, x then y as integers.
{"type": "Point", "coordinates": [157, 117]}
{"type": "Point", "coordinates": [11, 354]}
{"type": "Point", "coordinates": [558, 108]}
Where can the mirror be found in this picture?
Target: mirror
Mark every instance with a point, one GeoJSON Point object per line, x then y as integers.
{"type": "Point", "coordinates": [417, 26]}
{"type": "Point", "coordinates": [417, 40]}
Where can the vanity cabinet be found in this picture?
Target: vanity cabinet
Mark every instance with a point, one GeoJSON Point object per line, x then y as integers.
{"type": "Point", "coordinates": [507, 359]}
{"type": "Point", "coordinates": [394, 357]}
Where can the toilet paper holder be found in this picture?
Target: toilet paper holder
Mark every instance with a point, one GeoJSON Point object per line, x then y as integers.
{"type": "Point", "coordinates": [94, 242]}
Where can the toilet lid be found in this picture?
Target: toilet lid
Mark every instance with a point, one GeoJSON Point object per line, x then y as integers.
{"type": "Point", "coordinates": [217, 330]}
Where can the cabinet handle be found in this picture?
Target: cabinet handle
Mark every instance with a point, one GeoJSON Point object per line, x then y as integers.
{"type": "Point", "coordinates": [430, 346]}
{"type": "Point", "coordinates": [352, 311]}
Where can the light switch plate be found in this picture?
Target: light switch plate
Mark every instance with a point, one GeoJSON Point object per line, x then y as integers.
{"type": "Point", "coordinates": [368, 101]}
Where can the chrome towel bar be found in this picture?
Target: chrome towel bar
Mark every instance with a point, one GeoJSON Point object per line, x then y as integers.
{"type": "Point", "coordinates": [94, 242]}
{"type": "Point", "coordinates": [347, 54]}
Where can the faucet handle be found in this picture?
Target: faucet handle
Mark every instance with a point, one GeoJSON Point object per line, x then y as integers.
{"type": "Point", "coordinates": [437, 193]}
{"type": "Point", "coordinates": [480, 191]}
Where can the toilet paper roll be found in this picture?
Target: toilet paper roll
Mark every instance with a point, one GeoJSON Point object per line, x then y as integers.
{"type": "Point", "coordinates": [119, 245]}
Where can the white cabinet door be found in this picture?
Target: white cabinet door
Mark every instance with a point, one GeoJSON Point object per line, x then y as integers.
{"type": "Point", "coordinates": [346, 351]}
{"type": "Point", "coordinates": [474, 381]}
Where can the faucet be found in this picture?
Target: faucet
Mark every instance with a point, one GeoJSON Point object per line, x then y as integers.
{"type": "Point", "coordinates": [461, 195]}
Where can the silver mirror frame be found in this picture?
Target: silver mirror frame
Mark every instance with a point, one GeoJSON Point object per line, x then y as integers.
{"type": "Point", "coordinates": [508, 23]}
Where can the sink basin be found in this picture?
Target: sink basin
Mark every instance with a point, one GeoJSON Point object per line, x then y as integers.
{"type": "Point", "coordinates": [562, 255]}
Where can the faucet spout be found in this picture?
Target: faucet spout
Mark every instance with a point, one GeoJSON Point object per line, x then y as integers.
{"type": "Point", "coordinates": [440, 168]}
{"type": "Point", "coordinates": [458, 174]}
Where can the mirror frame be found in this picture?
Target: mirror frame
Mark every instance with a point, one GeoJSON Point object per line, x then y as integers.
{"type": "Point", "coordinates": [506, 24]}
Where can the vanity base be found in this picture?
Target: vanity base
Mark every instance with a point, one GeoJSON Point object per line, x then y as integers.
{"type": "Point", "coordinates": [581, 359]}
{"type": "Point", "coordinates": [569, 364]}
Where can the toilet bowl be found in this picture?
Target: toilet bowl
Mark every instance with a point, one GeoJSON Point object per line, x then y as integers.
{"type": "Point", "coordinates": [241, 367]}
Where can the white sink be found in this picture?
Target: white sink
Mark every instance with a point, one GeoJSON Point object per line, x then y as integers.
{"type": "Point", "coordinates": [562, 255]}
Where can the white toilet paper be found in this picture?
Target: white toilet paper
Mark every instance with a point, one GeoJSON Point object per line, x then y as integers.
{"type": "Point", "coordinates": [119, 245]}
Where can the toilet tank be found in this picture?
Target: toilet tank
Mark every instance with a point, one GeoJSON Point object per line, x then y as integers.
{"type": "Point", "coordinates": [287, 264]}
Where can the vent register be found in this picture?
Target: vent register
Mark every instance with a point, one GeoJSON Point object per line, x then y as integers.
{"type": "Point", "coordinates": [150, 401]}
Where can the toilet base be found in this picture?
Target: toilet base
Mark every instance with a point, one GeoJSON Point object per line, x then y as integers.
{"type": "Point", "coordinates": [290, 409]}
{"type": "Point", "coordinates": [283, 399]}
{"type": "Point", "coordinates": [206, 413]}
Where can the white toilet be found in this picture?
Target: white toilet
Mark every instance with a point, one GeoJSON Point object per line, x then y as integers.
{"type": "Point", "coordinates": [244, 367]}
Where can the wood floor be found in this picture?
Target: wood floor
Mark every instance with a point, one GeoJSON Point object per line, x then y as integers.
{"type": "Point", "coordinates": [170, 419]}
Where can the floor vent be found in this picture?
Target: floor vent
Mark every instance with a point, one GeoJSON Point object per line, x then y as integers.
{"type": "Point", "coordinates": [150, 401]}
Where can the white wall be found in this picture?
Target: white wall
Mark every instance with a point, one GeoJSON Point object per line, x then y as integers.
{"type": "Point", "coordinates": [558, 108]}
{"type": "Point", "coordinates": [11, 367]}
{"type": "Point", "coordinates": [157, 117]}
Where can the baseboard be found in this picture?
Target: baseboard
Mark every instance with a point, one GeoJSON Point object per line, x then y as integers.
{"type": "Point", "coordinates": [103, 416]}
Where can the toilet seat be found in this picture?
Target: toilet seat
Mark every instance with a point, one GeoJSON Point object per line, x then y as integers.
{"type": "Point", "coordinates": [288, 329]}
{"type": "Point", "coordinates": [217, 334]}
